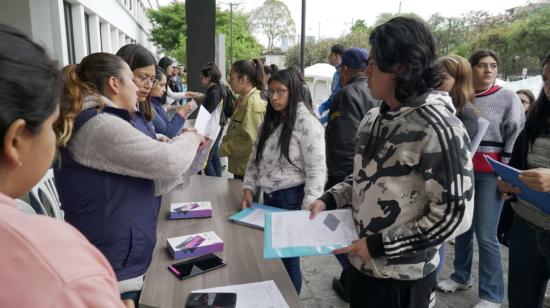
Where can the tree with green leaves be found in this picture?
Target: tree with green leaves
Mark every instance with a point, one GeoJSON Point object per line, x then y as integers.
{"type": "Point", "coordinates": [245, 46]}
{"type": "Point", "coordinates": [273, 20]}
{"type": "Point", "coordinates": [169, 28]}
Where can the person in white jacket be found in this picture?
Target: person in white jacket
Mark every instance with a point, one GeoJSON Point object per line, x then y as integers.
{"type": "Point", "coordinates": [288, 159]}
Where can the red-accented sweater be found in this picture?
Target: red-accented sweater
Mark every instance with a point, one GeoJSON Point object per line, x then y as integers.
{"type": "Point", "coordinates": [503, 109]}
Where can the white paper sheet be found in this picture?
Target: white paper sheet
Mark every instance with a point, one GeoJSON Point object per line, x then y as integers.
{"type": "Point", "coordinates": [295, 229]}
{"type": "Point", "coordinates": [196, 165]}
{"type": "Point", "coordinates": [202, 121]}
{"type": "Point", "coordinates": [213, 128]}
{"type": "Point", "coordinates": [482, 126]}
{"type": "Point", "coordinates": [257, 218]}
{"type": "Point", "coordinates": [263, 294]}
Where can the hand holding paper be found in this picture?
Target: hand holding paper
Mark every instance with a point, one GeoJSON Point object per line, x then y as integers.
{"type": "Point", "coordinates": [315, 207]}
{"type": "Point", "coordinates": [517, 178]}
{"type": "Point", "coordinates": [247, 199]}
{"type": "Point", "coordinates": [358, 248]}
{"type": "Point", "coordinates": [536, 179]}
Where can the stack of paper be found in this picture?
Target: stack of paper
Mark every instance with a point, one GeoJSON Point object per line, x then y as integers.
{"type": "Point", "coordinates": [293, 234]}
{"type": "Point", "coordinates": [190, 210]}
{"type": "Point", "coordinates": [193, 245]}
{"type": "Point", "coordinates": [254, 216]}
{"type": "Point", "coordinates": [263, 294]}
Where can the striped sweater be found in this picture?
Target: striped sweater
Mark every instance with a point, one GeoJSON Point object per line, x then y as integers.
{"type": "Point", "coordinates": [504, 111]}
{"type": "Point", "coordinates": [412, 181]}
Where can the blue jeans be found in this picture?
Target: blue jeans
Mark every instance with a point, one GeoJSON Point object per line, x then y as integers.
{"type": "Point", "coordinates": [529, 264]}
{"type": "Point", "coordinates": [214, 166]}
{"type": "Point", "coordinates": [487, 208]}
{"type": "Point", "coordinates": [442, 252]}
{"type": "Point", "coordinates": [289, 199]}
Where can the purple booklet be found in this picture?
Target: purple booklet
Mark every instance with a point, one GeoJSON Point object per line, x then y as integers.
{"type": "Point", "coordinates": [185, 210]}
{"type": "Point", "coordinates": [194, 245]}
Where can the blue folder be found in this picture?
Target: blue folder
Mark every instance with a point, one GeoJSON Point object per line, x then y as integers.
{"type": "Point", "coordinates": [510, 175]}
{"type": "Point", "coordinates": [238, 217]}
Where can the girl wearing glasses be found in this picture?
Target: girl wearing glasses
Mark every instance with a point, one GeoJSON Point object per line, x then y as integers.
{"type": "Point", "coordinates": [288, 159]}
{"type": "Point", "coordinates": [111, 167]}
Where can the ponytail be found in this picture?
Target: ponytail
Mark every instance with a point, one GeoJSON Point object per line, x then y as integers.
{"type": "Point", "coordinates": [254, 70]}
{"type": "Point", "coordinates": [87, 78]}
{"type": "Point", "coordinates": [259, 74]}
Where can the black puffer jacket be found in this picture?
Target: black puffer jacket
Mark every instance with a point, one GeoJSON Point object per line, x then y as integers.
{"type": "Point", "coordinates": [349, 106]}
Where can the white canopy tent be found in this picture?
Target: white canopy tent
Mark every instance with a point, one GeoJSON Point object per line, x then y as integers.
{"type": "Point", "coordinates": [319, 79]}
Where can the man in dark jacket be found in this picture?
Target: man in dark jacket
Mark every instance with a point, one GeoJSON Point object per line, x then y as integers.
{"type": "Point", "coordinates": [349, 106]}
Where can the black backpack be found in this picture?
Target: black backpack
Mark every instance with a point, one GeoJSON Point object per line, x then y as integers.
{"type": "Point", "coordinates": [228, 102]}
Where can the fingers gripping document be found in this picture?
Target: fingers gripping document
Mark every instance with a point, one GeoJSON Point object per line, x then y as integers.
{"type": "Point", "coordinates": [293, 234]}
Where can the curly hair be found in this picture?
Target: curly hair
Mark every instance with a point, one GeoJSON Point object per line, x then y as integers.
{"type": "Point", "coordinates": [407, 43]}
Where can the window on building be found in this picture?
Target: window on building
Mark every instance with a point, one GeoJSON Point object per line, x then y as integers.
{"type": "Point", "coordinates": [67, 10]}
{"type": "Point", "coordinates": [87, 26]}
{"type": "Point", "coordinates": [101, 36]}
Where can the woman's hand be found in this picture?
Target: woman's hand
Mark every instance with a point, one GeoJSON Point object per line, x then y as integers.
{"type": "Point", "coordinates": [194, 95]}
{"type": "Point", "coordinates": [247, 199]}
{"type": "Point", "coordinates": [162, 138]}
{"type": "Point", "coordinates": [505, 187]}
{"type": "Point", "coordinates": [315, 207]}
{"type": "Point", "coordinates": [536, 179]}
{"type": "Point", "coordinates": [358, 248]}
{"type": "Point", "coordinates": [186, 110]}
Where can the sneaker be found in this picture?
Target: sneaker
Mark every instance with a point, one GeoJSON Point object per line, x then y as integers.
{"type": "Point", "coordinates": [450, 286]}
{"type": "Point", "coordinates": [486, 304]}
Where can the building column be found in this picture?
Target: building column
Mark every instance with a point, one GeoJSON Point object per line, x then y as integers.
{"type": "Point", "coordinates": [105, 29]}
{"type": "Point", "coordinates": [115, 43]}
{"type": "Point", "coordinates": [79, 29]}
{"type": "Point", "coordinates": [95, 36]}
{"type": "Point", "coordinates": [121, 39]}
{"type": "Point", "coordinates": [201, 28]}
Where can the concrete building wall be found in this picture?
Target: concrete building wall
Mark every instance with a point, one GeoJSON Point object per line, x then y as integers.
{"type": "Point", "coordinates": [94, 25]}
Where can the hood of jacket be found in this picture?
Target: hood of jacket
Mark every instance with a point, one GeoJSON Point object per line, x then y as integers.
{"type": "Point", "coordinates": [432, 97]}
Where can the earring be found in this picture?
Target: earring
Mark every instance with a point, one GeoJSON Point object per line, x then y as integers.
{"type": "Point", "coordinates": [19, 164]}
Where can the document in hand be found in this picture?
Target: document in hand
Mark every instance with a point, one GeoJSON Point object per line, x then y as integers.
{"type": "Point", "coordinates": [254, 216]}
{"type": "Point", "coordinates": [206, 124]}
{"type": "Point", "coordinates": [510, 175]}
{"type": "Point", "coordinates": [482, 126]}
{"type": "Point", "coordinates": [196, 166]}
{"type": "Point", "coordinates": [263, 294]}
{"type": "Point", "coordinates": [293, 234]}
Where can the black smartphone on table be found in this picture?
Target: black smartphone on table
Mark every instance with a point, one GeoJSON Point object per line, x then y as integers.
{"type": "Point", "coordinates": [208, 300]}
{"type": "Point", "coordinates": [196, 266]}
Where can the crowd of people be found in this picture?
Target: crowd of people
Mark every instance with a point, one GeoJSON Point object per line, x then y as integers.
{"type": "Point", "coordinates": [393, 142]}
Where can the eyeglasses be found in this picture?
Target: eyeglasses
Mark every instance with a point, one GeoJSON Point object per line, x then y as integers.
{"type": "Point", "coordinates": [140, 80]}
{"type": "Point", "coordinates": [279, 92]}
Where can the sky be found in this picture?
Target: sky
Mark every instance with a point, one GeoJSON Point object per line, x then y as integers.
{"type": "Point", "coordinates": [332, 18]}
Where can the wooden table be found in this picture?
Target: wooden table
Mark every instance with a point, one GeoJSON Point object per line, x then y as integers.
{"type": "Point", "coordinates": [243, 247]}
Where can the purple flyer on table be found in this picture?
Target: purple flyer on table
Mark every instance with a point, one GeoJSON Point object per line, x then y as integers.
{"type": "Point", "coordinates": [194, 245]}
{"type": "Point", "coordinates": [184, 210]}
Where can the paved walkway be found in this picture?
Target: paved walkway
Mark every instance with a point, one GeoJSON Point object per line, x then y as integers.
{"type": "Point", "coordinates": [319, 271]}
